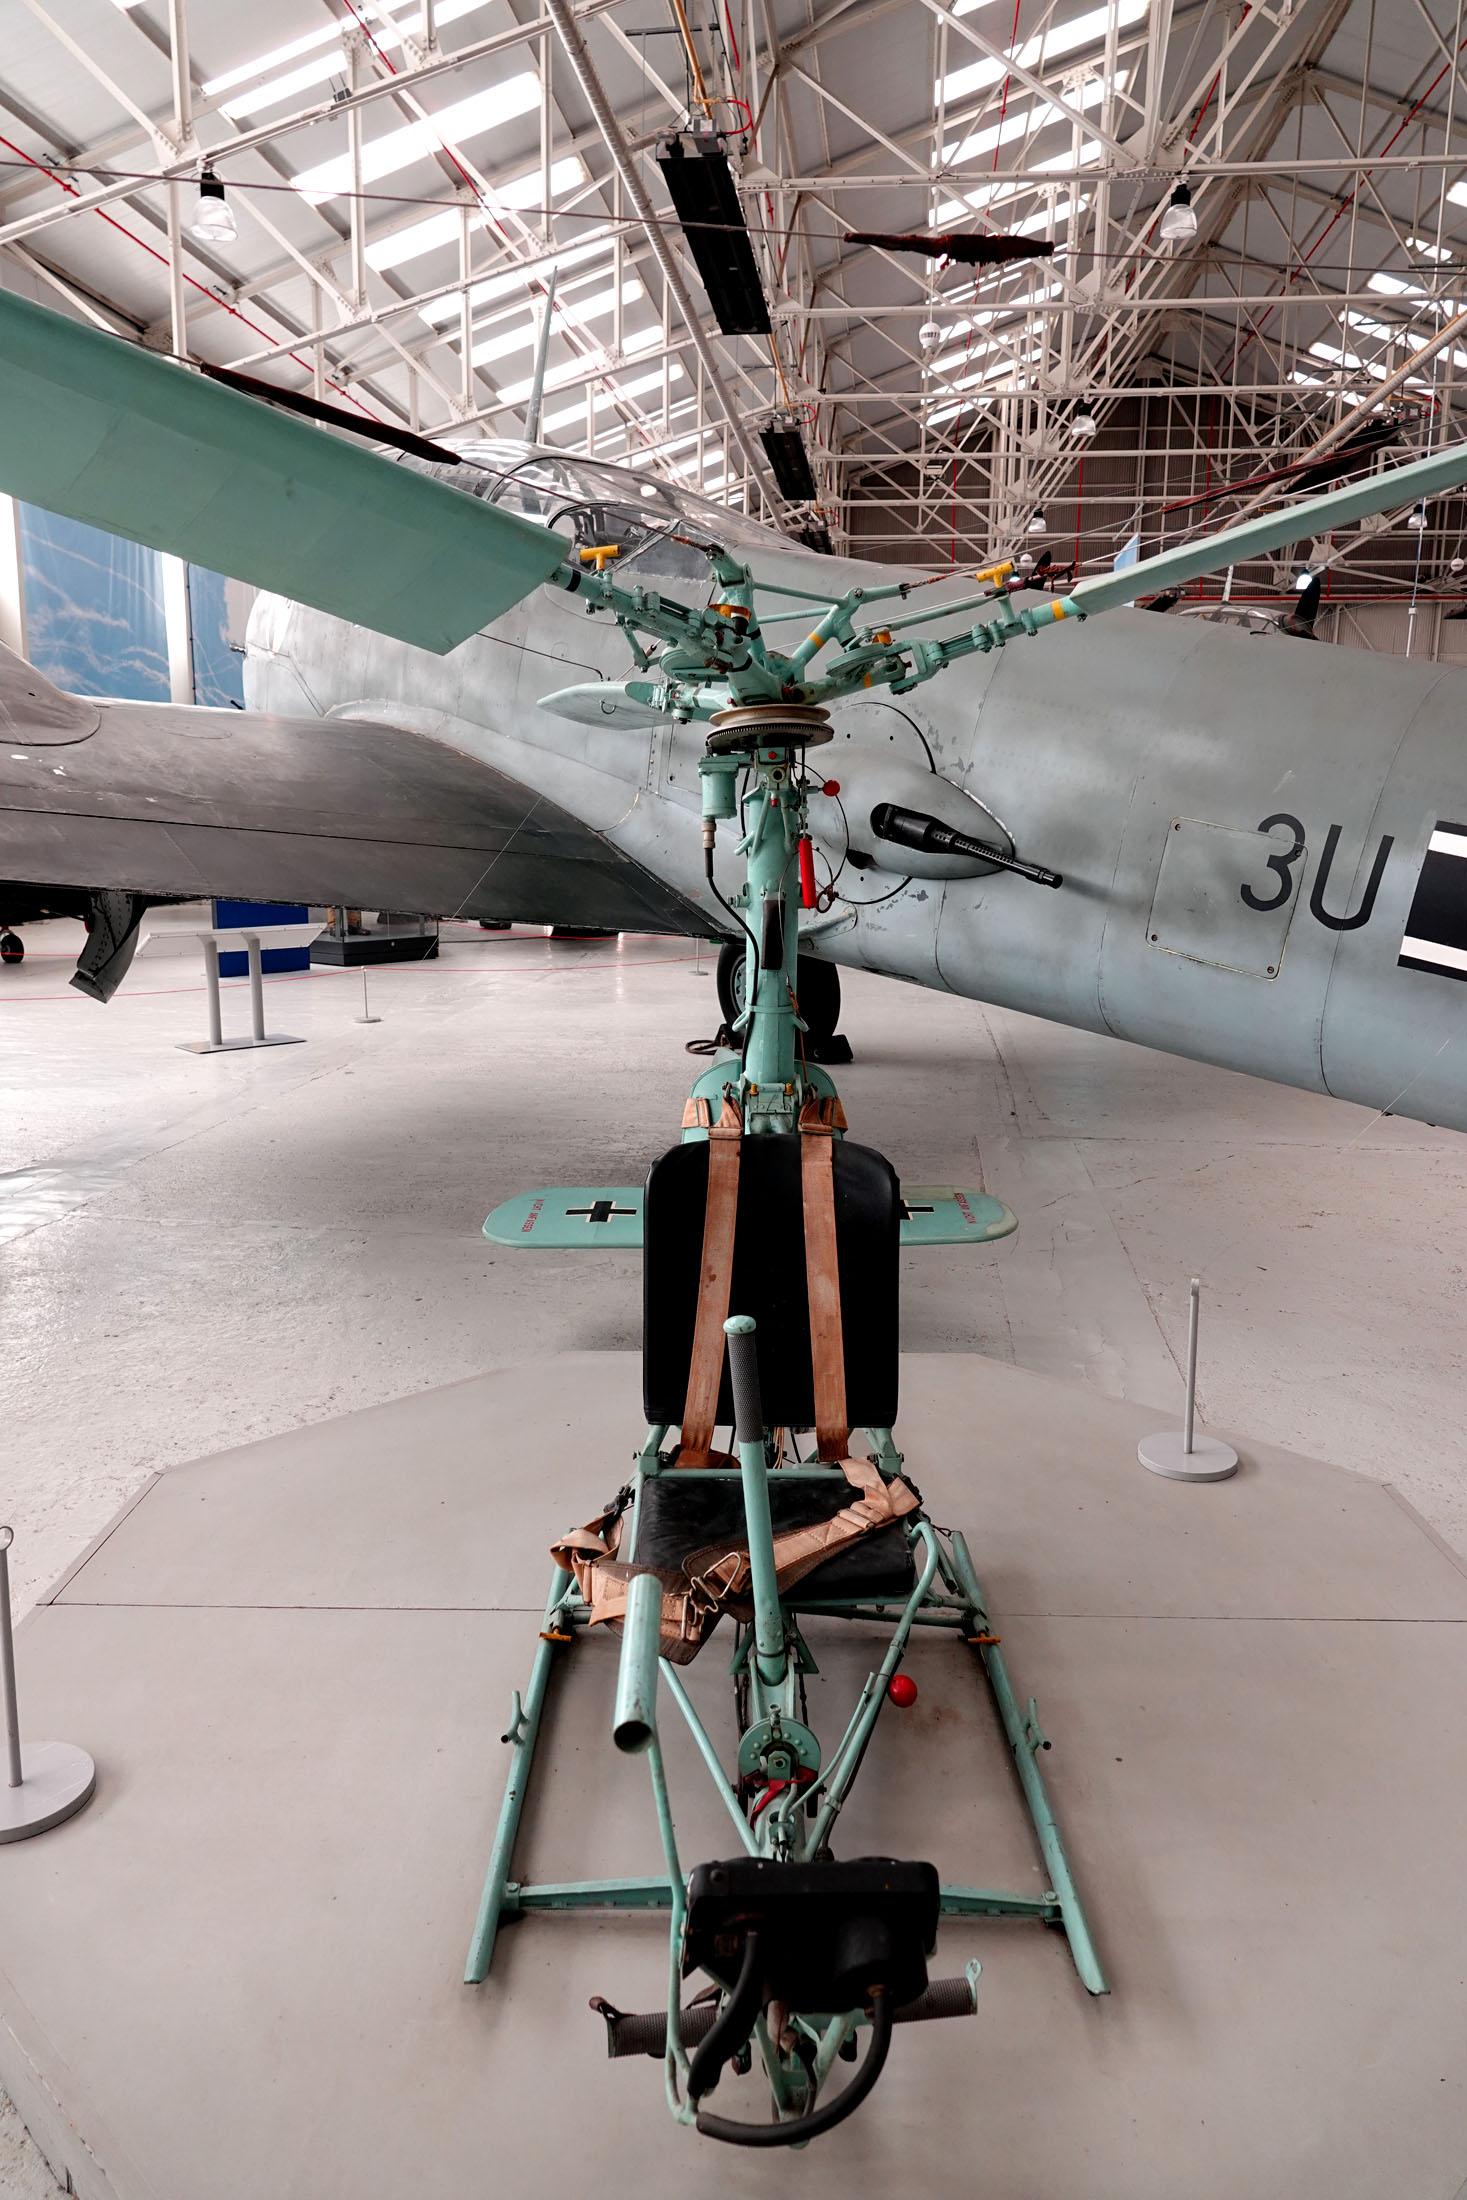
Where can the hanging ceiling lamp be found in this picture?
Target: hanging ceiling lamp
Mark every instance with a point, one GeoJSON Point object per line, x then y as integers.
{"type": "Point", "coordinates": [1038, 524]}
{"type": "Point", "coordinates": [1179, 222]}
{"type": "Point", "coordinates": [213, 220]}
{"type": "Point", "coordinates": [1082, 427]}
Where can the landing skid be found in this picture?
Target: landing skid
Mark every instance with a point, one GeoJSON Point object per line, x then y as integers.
{"type": "Point", "coordinates": [951, 1600]}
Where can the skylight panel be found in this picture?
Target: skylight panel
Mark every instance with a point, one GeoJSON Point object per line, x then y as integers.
{"type": "Point", "coordinates": [661, 453]}
{"type": "Point", "coordinates": [408, 244]}
{"type": "Point", "coordinates": [327, 63]}
{"type": "Point", "coordinates": [1024, 121]}
{"type": "Point", "coordinates": [688, 465]}
{"type": "Point", "coordinates": [1048, 46]}
{"type": "Point", "coordinates": [604, 398]}
{"type": "Point", "coordinates": [1432, 251]}
{"type": "Point", "coordinates": [1066, 211]}
{"type": "Point", "coordinates": [328, 35]}
{"type": "Point", "coordinates": [397, 149]}
{"type": "Point", "coordinates": [320, 69]}
{"type": "Point", "coordinates": [956, 359]}
{"type": "Point", "coordinates": [986, 315]}
{"type": "Point", "coordinates": [522, 337]}
{"type": "Point", "coordinates": [332, 62]}
{"type": "Point", "coordinates": [522, 191]}
{"type": "Point", "coordinates": [442, 229]}
{"type": "Point", "coordinates": [995, 194]}
{"type": "Point", "coordinates": [516, 278]}
{"type": "Point", "coordinates": [1391, 286]}
{"type": "Point", "coordinates": [1348, 359]}
{"type": "Point", "coordinates": [596, 362]}
{"type": "Point", "coordinates": [954, 210]}
{"type": "Point", "coordinates": [591, 363]}
{"type": "Point", "coordinates": [998, 366]}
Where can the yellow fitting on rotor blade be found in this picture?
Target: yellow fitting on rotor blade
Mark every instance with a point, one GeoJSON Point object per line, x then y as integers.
{"type": "Point", "coordinates": [994, 573]}
{"type": "Point", "coordinates": [601, 554]}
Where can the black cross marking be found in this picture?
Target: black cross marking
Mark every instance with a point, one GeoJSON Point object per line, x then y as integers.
{"type": "Point", "coordinates": [601, 1211]}
{"type": "Point", "coordinates": [908, 1212]}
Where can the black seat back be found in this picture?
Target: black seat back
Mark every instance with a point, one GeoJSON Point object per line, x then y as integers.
{"type": "Point", "coordinates": [769, 1279]}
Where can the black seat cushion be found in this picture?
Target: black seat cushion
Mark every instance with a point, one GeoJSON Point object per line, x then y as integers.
{"type": "Point", "coordinates": [686, 1509]}
{"type": "Point", "coordinates": [769, 1279]}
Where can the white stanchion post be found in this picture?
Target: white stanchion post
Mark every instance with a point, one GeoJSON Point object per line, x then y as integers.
{"type": "Point", "coordinates": [211, 987]}
{"type": "Point", "coordinates": [7, 1664]}
{"type": "Point", "coordinates": [257, 987]}
{"type": "Point", "coordinates": [254, 944]}
{"type": "Point", "coordinates": [1181, 1454]}
{"type": "Point", "coordinates": [48, 1781]}
{"type": "Point", "coordinates": [1189, 1416]}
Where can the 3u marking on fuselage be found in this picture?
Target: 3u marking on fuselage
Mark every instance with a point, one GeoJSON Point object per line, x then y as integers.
{"type": "Point", "coordinates": [1283, 863]}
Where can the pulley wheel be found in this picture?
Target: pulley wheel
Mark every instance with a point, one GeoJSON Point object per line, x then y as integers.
{"type": "Point", "coordinates": [749, 726]}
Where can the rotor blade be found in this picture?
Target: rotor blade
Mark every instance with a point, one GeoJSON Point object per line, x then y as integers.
{"type": "Point", "coordinates": [1424, 477]}
{"type": "Point", "coordinates": [972, 249]}
{"type": "Point", "coordinates": [104, 431]}
{"type": "Point", "coordinates": [1305, 473]}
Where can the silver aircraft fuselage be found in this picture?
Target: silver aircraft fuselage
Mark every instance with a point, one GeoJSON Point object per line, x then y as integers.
{"type": "Point", "coordinates": [1263, 845]}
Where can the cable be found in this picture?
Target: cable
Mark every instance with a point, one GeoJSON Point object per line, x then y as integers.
{"type": "Point", "coordinates": [796, 2130]}
{"type": "Point", "coordinates": [734, 2023]}
{"type": "Point", "coordinates": [754, 944]}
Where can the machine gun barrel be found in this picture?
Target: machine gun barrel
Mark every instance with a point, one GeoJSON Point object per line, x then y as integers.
{"type": "Point", "coordinates": [915, 829]}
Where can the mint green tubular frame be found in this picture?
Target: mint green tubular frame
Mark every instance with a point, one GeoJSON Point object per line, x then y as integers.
{"type": "Point", "coordinates": [784, 1795]}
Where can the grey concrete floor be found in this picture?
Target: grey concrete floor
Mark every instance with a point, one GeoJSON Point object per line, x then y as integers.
{"type": "Point", "coordinates": [198, 1250]}
{"type": "Point", "coordinates": [239, 1972]}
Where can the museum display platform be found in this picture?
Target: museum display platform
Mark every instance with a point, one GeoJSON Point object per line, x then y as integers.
{"type": "Point", "coordinates": [238, 1972]}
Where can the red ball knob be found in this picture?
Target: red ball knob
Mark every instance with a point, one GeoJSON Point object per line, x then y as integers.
{"type": "Point", "coordinates": [830, 786]}
{"type": "Point", "coordinates": [902, 1690]}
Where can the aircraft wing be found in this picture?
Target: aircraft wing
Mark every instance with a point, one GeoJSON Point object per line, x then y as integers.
{"type": "Point", "coordinates": [160, 800]}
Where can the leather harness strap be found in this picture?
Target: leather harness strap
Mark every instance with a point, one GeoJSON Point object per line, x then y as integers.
{"type": "Point", "coordinates": [715, 1280]}
{"type": "Point", "coordinates": [717, 1577]}
{"type": "Point", "coordinates": [819, 1119]}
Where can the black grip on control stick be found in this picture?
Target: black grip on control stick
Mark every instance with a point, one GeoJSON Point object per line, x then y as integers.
{"type": "Point", "coordinates": [743, 1368]}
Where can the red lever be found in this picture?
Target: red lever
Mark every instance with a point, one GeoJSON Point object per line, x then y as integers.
{"type": "Point", "coordinates": [807, 874]}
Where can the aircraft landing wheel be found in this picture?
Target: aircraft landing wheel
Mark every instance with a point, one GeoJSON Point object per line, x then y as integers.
{"type": "Point", "coordinates": [12, 947]}
{"type": "Point", "coordinates": [817, 986]}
